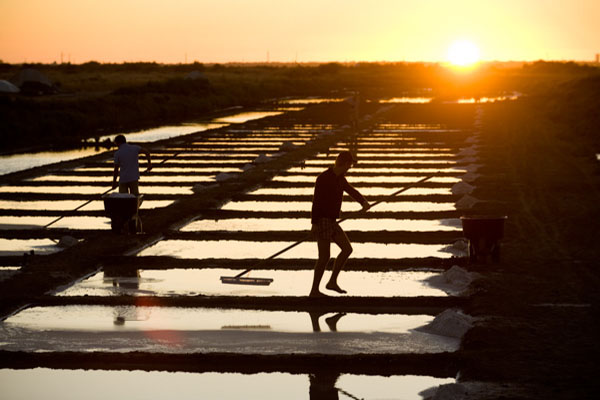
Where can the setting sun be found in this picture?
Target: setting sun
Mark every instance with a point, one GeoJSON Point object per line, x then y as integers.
{"type": "Point", "coordinates": [463, 53]}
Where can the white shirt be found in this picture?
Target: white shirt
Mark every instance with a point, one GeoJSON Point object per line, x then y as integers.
{"type": "Point", "coordinates": [126, 157]}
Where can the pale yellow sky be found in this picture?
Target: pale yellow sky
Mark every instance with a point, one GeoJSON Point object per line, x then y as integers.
{"type": "Point", "coordinates": [290, 30]}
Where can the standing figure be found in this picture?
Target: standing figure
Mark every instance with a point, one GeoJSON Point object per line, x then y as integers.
{"type": "Point", "coordinates": [127, 166]}
{"type": "Point", "coordinates": [327, 203]}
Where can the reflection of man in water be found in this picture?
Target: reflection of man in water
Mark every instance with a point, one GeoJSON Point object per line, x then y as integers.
{"type": "Point", "coordinates": [322, 386]}
{"type": "Point", "coordinates": [326, 207]}
{"type": "Point", "coordinates": [127, 166]}
{"type": "Point", "coordinates": [330, 321]}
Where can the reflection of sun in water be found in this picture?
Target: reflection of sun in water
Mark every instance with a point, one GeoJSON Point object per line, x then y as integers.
{"type": "Point", "coordinates": [463, 53]}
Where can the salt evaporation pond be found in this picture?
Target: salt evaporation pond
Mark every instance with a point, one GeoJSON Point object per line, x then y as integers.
{"type": "Point", "coordinates": [393, 206]}
{"type": "Point", "coordinates": [199, 330]}
{"type": "Point", "coordinates": [33, 222]}
{"type": "Point", "coordinates": [16, 247]}
{"type": "Point", "coordinates": [303, 224]}
{"type": "Point", "coordinates": [365, 191]}
{"type": "Point", "coordinates": [238, 249]}
{"type": "Point", "coordinates": [180, 179]}
{"type": "Point", "coordinates": [206, 281]}
{"type": "Point", "coordinates": [20, 162]}
{"type": "Point", "coordinates": [354, 179]}
{"type": "Point", "coordinates": [245, 117]}
{"type": "Point", "coordinates": [165, 132]}
{"type": "Point", "coordinates": [60, 205]}
{"type": "Point", "coordinates": [94, 189]}
{"type": "Point", "coordinates": [60, 384]}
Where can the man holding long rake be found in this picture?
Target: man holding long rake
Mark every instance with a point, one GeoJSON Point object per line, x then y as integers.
{"type": "Point", "coordinates": [326, 207]}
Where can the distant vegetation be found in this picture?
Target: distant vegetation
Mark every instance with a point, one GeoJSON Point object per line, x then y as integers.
{"type": "Point", "coordinates": [94, 99]}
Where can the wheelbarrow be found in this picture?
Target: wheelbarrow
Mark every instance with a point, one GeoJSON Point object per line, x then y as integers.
{"type": "Point", "coordinates": [123, 211]}
{"type": "Point", "coordinates": [484, 233]}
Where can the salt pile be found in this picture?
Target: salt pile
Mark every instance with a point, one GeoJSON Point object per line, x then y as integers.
{"type": "Point", "coordinates": [462, 188]}
{"type": "Point", "coordinates": [287, 146]}
{"type": "Point", "coordinates": [468, 151]}
{"type": "Point", "coordinates": [450, 323]}
{"type": "Point", "coordinates": [450, 391]}
{"type": "Point", "coordinates": [261, 159]}
{"type": "Point", "coordinates": [473, 139]}
{"type": "Point", "coordinates": [472, 167]}
{"type": "Point", "coordinates": [466, 202]}
{"type": "Point", "coordinates": [467, 160]}
{"type": "Point", "coordinates": [223, 176]}
{"type": "Point", "coordinates": [470, 177]}
{"type": "Point", "coordinates": [457, 249]}
{"type": "Point", "coordinates": [67, 241]}
{"type": "Point", "coordinates": [455, 281]}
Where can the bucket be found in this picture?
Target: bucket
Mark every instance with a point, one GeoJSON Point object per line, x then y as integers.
{"type": "Point", "coordinates": [484, 233]}
{"type": "Point", "coordinates": [122, 208]}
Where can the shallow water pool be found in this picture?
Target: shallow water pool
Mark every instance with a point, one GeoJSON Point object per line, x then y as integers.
{"type": "Point", "coordinates": [198, 330]}
{"type": "Point", "coordinates": [303, 224]}
{"type": "Point", "coordinates": [237, 249]}
{"type": "Point", "coordinates": [137, 385]}
{"type": "Point", "coordinates": [191, 282]}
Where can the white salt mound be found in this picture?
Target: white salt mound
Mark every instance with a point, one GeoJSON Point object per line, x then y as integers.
{"type": "Point", "coordinates": [450, 391]}
{"type": "Point", "coordinates": [470, 177]}
{"type": "Point", "coordinates": [472, 167]}
{"type": "Point", "coordinates": [261, 159]}
{"type": "Point", "coordinates": [223, 176]}
{"type": "Point", "coordinates": [67, 241]}
{"type": "Point", "coordinates": [466, 202]}
{"type": "Point", "coordinates": [458, 276]}
{"type": "Point", "coordinates": [468, 151]}
{"type": "Point", "coordinates": [287, 146]}
{"type": "Point", "coordinates": [450, 323]}
{"type": "Point", "coordinates": [467, 160]}
{"type": "Point", "coordinates": [473, 139]}
{"type": "Point", "coordinates": [455, 281]}
{"type": "Point", "coordinates": [462, 188]}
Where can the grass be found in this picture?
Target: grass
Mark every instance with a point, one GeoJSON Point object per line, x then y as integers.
{"type": "Point", "coordinates": [94, 99]}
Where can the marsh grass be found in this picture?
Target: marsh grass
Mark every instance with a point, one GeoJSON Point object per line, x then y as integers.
{"type": "Point", "coordinates": [95, 99]}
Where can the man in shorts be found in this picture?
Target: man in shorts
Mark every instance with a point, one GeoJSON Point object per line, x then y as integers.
{"type": "Point", "coordinates": [127, 166]}
{"type": "Point", "coordinates": [327, 203]}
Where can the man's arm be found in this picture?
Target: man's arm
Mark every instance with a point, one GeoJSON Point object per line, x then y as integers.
{"type": "Point", "coordinates": [147, 153]}
{"type": "Point", "coordinates": [115, 175]}
{"type": "Point", "coordinates": [355, 194]}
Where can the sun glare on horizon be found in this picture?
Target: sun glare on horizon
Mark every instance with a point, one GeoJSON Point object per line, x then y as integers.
{"type": "Point", "coordinates": [463, 53]}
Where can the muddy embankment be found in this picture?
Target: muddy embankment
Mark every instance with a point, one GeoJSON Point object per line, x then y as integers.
{"type": "Point", "coordinates": [540, 304]}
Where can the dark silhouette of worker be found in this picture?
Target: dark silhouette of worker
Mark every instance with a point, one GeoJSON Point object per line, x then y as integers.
{"type": "Point", "coordinates": [127, 166]}
{"type": "Point", "coordinates": [330, 321]}
{"type": "Point", "coordinates": [326, 207]}
{"type": "Point", "coordinates": [322, 386]}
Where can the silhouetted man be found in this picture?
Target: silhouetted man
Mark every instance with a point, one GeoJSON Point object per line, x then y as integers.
{"type": "Point", "coordinates": [326, 207]}
{"type": "Point", "coordinates": [127, 166]}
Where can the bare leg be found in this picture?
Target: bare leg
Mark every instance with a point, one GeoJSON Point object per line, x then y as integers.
{"type": "Point", "coordinates": [324, 255]}
{"type": "Point", "coordinates": [342, 241]}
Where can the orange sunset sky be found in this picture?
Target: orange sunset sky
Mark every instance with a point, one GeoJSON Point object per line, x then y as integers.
{"type": "Point", "coordinates": [306, 30]}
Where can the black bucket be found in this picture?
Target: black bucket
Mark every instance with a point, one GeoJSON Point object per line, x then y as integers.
{"type": "Point", "coordinates": [484, 233]}
{"type": "Point", "coordinates": [122, 209]}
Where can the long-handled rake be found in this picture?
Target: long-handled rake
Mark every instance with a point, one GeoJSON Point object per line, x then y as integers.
{"type": "Point", "coordinates": [240, 279]}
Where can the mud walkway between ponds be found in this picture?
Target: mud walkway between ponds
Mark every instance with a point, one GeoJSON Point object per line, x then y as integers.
{"type": "Point", "coordinates": [438, 365]}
